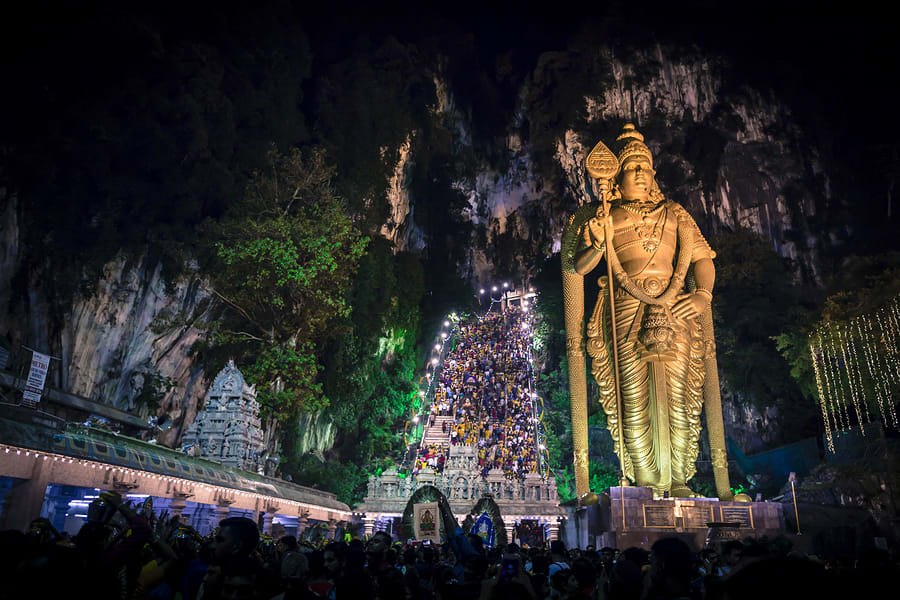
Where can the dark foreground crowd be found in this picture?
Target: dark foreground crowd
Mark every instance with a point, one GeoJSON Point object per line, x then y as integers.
{"type": "Point", "coordinates": [121, 554]}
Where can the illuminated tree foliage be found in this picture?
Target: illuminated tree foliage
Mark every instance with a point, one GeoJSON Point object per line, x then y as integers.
{"type": "Point", "coordinates": [286, 255]}
{"type": "Point", "coordinates": [862, 285]}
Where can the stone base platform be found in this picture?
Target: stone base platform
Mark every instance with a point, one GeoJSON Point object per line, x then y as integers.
{"type": "Point", "coordinates": [647, 519]}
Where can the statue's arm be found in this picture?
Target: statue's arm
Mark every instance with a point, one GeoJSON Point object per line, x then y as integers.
{"type": "Point", "coordinates": [705, 274]}
{"type": "Point", "coordinates": [693, 305]}
{"type": "Point", "coordinates": [587, 258]}
{"type": "Point", "coordinates": [590, 247]}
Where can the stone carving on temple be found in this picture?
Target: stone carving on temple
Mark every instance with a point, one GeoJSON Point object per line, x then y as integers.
{"type": "Point", "coordinates": [463, 485]}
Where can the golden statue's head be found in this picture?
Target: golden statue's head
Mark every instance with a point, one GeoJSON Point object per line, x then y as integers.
{"type": "Point", "coordinates": [635, 178]}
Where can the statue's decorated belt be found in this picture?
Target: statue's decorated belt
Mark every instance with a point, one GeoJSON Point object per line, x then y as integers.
{"type": "Point", "coordinates": [653, 286]}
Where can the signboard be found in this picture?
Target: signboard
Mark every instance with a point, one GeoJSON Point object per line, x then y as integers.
{"type": "Point", "coordinates": [738, 514]}
{"type": "Point", "coordinates": [659, 516]}
{"type": "Point", "coordinates": [696, 517]}
{"type": "Point", "coordinates": [426, 521]}
{"type": "Point", "coordinates": [37, 375]}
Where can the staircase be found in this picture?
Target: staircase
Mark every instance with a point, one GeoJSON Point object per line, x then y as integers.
{"type": "Point", "coordinates": [435, 435]}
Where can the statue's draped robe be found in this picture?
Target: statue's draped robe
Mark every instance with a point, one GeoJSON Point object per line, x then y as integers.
{"type": "Point", "coordinates": [684, 373]}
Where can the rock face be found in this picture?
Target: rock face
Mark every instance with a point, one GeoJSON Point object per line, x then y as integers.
{"type": "Point", "coordinates": [127, 343]}
{"type": "Point", "coordinates": [731, 154]}
{"type": "Point", "coordinates": [317, 433]}
{"type": "Point", "coordinates": [227, 430]}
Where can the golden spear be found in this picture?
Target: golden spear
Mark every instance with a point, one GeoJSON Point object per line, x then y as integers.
{"type": "Point", "coordinates": [603, 165]}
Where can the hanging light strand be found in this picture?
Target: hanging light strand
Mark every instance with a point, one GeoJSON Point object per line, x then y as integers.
{"type": "Point", "coordinates": [890, 345]}
{"type": "Point", "coordinates": [863, 343]}
{"type": "Point", "coordinates": [822, 401]}
{"type": "Point", "coordinates": [888, 356]}
{"type": "Point", "coordinates": [829, 391]}
{"type": "Point", "coordinates": [886, 330]}
{"type": "Point", "coordinates": [858, 383]}
{"type": "Point", "coordinates": [838, 384]}
{"type": "Point", "coordinates": [893, 327]}
{"type": "Point", "coordinates": [848, 369]}
{"type": "Point", "coordinates": [878, 360]}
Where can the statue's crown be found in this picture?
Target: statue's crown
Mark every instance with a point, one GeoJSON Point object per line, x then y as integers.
{"type": "Point", "coordinates": [633, 144]}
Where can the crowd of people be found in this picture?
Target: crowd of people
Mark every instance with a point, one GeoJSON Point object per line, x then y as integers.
{"type": "Point", "coordinates": [121, 553]}
{"type": "Point", "coordinates": [431, 456]}
{"type": "Point", "coordinates": [485, 386]}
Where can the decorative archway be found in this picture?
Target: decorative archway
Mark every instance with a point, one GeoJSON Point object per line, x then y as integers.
{"type": "Point", "coordinates": [426, 493]}
{"type": "Point", "coordinates": [489, 506]}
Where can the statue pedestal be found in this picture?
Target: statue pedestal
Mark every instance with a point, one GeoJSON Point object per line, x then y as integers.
{"type": "Point", "coordinates": [647, 520]}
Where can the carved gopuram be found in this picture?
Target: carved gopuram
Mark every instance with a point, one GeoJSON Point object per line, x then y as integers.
{"type": "Point", "coordinates": [532, 499]}
{"type": "Point", "coordinates": [227, 430]}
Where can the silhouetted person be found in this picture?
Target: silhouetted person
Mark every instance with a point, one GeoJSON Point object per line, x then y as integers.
{"type": "Point", "coordinates": [670, 571]}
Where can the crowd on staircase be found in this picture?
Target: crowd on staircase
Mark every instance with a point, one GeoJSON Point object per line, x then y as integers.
{"type": "Point", "coordinates": [483, 396]}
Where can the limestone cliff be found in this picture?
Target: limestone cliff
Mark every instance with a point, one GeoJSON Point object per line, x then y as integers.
{"type": "Point", "coordinates": [731, 154]}
{"type": "Point", "coordinates": [128, 337]}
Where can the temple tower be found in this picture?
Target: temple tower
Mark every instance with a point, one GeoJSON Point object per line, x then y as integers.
{"type": "Point", "coordinates": [228, 430]}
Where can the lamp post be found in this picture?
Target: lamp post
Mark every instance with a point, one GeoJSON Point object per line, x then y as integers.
{"type": "Point", "coordinates": [793, 479]}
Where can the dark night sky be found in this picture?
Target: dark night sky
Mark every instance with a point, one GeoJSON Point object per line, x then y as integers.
{"type": "Point", "coordinates": [817, 55]}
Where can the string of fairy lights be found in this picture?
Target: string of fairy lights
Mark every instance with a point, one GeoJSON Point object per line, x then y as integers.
{"type": "Point", "coordinates": [239, 498]}
{"type": "Point", "coordinates": [424, 404]}
{"type": "Point", "coordinates": [857, 362]}
{"type": "Point", "coordinates": [426, 390]}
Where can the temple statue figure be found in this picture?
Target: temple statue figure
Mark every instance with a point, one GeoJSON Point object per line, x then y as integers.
{"type": "Point", "coordinates": [649, 338]}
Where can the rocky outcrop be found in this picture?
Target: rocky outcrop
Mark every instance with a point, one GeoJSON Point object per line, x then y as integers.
{"type": "Point", "coordinates": [316, 433]}
{"type": "Point", "coordinates": [126, 344]}
{"type": "Point", "coordinates": [731, 154]}
{"type": "Point", "coordinates": [400, 228]}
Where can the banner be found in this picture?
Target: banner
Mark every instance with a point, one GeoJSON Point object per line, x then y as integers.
{"type": "Point", "coordinates": [37, 375]}
{"type": "Point", "coordinates": [426, 520]}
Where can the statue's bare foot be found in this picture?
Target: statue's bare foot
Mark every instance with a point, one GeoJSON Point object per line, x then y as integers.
{"type": "Point", "coordinates": [680, 490]}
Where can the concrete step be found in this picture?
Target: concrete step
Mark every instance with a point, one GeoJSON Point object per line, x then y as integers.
{"type": "Point", "coordinates": [435, 433]}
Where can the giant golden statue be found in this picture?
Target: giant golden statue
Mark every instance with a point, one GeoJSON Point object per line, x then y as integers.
{"type": "Point", "coordinates": [649, 337]}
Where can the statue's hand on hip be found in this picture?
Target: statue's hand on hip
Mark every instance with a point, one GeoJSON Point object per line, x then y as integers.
{"type": "Point", "coordinates": [690, 306]}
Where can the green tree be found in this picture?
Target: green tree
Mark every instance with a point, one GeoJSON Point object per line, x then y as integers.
{"type": "Point", "coordinates": [755, 299]}
{"type": "Point", "coordinates": [285, 258]}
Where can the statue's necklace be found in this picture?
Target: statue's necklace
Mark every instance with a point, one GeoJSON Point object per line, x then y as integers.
{"type": "Point", "coordinates": [646, 225]}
